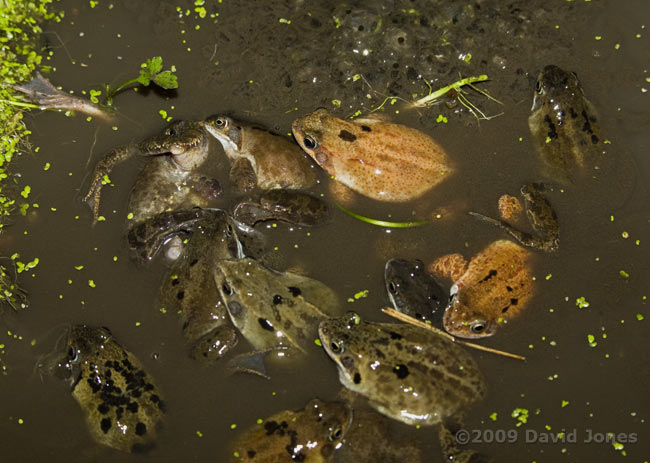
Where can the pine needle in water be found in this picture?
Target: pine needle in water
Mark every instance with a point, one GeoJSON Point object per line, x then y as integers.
{"type": "Point", "coordinates": [415, 322]}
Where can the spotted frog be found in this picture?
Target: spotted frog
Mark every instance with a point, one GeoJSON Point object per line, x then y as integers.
{"type": "Point", "coordinates": [310, 435]}
{"type": "Point", "coordinates": [378, 159]}
{"type": "Point", "coordinates": [167, 182]}
{"type": "Point", "coordinates": [121, 402]}
{"type": "Point", "coordinates": [407, 373]}
{"type": "Point", "coordinates": [541, 217]}
{"type": "Point", "coordinates": [273, 310]}
{"type": "Point", "coordinates": [260, 158]}
{"type": "Point", "coordinates": [491, 290]}
{"type": "Point", "coordinates": [414, 291]}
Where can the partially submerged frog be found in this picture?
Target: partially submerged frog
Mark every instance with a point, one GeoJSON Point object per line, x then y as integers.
{"type": "Point", "coordinates": [407, 373]}
{"type": "Point", "coordinates": [273, 310]}
{"type": "Point", "coordinates": [564, 125]}
{"type": "Point", "coordinates": [491, 290]}
{"type": "Point", "coordinates": [414, 291]}
{"type": "Point", "coordinates": [167, 182]}
{"type": "Point", "coordinates": [121, 402]}
{"type": "Point", "coordinates": [309, 435]}
{"type": "Point", "coordinates": [260, 158]}
{"type": "Point", "coordinates": [378, 159]}
{"type": "Point", "coordinates": [294, 207]}
{"type": "Point", "coordinates": [541, 217]}
{"type": "Point", "coordinates": [372, 439]}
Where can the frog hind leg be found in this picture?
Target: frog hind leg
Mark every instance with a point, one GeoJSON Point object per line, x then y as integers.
{"type": "Point", "coordinates": [524, 238]}
{"type": "Point", "coordinates": [252, 362]}
{"type": "Point", "coordinates": [450, 450]}
{"type": "Point", "coordinates": [215, 344]}
{"type": "Point", "coordinates": [242, 175]}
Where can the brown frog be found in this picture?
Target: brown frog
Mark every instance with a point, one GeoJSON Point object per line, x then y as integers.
{"type": "Point", "coordinates": [309, 435]}
{"type": "Point", "coordinates": [260, 158]}
{"type": "Point", "coordinates": [121, 402]}
{"type": "Point", "coordinates": [491, 290]}
{"type": "Point", "coordinates": [294, 207]}
{"type": "Point", "coordinates": [167, 182]}
{"type": "Point", "coordinates": [378, 159]}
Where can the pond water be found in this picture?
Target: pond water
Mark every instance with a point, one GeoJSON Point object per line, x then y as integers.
{"type": "Point", "coordinates": [270, 63]}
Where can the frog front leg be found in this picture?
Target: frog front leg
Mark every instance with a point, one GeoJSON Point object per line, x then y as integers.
{"type": "Point", "coordinates": [204, 187]}
{"type": "Point", "coordinates": [100, 174]}
{"type": "Point", "coordinates": [242, 175]}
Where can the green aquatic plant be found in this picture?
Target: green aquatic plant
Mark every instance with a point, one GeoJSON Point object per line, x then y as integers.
{"type": "Point", "coordinates": [151, 72]}
{"type": "Point", "coordinates": [383, 223]}
{"type": "Point", "coordinates": [20, 27]}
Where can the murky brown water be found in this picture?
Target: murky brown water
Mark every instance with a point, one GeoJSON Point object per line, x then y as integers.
{"type": "Point", "coordinates": [245, 61]}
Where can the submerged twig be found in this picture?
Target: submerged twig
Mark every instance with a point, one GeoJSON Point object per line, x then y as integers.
{"type": "Point", "coordinates": [415, 322]}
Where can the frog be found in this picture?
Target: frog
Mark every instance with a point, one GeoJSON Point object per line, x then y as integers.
{"type": "Point", "coordinates": [494, 288]}
{"type": "Point", "coordinates": [312, 434]}
{"type": "Point", "coordinates": [372, 438]}
{"type": "Point", "coordinates": [260, 159]}
{"type": "Point", "coordinates": [566, 132]}
{"type": "Point", "coordinates": [541, 216]}
{"type": "Point", "coordinates": [189, 288]}
{"type": "Point", "coordinates": [294, 207]}
{"type": "Point", "coordinates": [564, 125]}
{"type": "Point", "coordinates": [274, 310]}
{"type": "Point", "coordinates": [123, 406]}
{"type": "Point", "coordinates": [413, 291]}
{"type": "Point", "coordinates": [407, 373]}
{"type": "Point", "coordinates": [378, 159]}
{"type": "Point", "coordinates": [169, 181]}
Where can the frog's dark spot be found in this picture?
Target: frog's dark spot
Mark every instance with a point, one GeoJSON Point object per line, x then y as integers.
{"type": "Point", "coordinates": [357, 378]}
{"type": "Point", "coordinates": [277, 299]}
{"type": "Point", "coordinates": [401, 371]}
{"type": "Point", "coordinates": [265, 324]}
{"type": "Point", "coordinates": [594, 139]}
{"type": "Point", "coordinates": [295, 292]}
{"type": "Point", "coordinates": [398, 346]}
{"type": "Point", "coordinates": [379, 354]}
{"type": "Point", "coordinates": [552, 133]}
{"type": "Point", "coordinates": [505, 309]}
{"type": "Point", "coordinates": [175, 281]}
{"type": "Point", "coordinates": [119, 413]}
{"type": "Point", "coordinates": [347, 136]}
{"type": "Point", "coordinates": [103, 408]}
{"type": "Point", "coordinates": [194, 262]}
{"type": "Point", "coordinates": [394, 335]}
{"type": "Point", "coordinates": [514, 301]}
{"type": "Point", "coordinates": [105, 424]}
{"type": "Point", "coordinates": [347, 362]}
{"type": "Point", "coordinates": [140, 429]}
{"type": "Point", "coordinates": [490, 274]}
{"type": "Point", "coordinates": [132, 407]}
{"type": "Point", "coordinates": [381, 341]}
{"type": "Point", "coordinates": [365, 128]}
{"type": "Point", "coordinates": [180, 295]}
{"type": "Point", "coordinates": [251, 453]}
{"type": "Point", "coordinates": [573, 114]}
{"type": "Point", "coordinates": [509, 288]}
{"type": "Point", "coordinates": [273, 426]}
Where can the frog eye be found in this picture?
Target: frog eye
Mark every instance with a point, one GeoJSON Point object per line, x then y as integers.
{"type": "Point", "coordinates": [229, 230]}
{"type": "Point", "coordinates": [221, 123]}
{"type": "Point", "coordinates": [171, 132]}
{"type": "Point", "coordinates": [335, 433]}
{"type": "Point", "coordinates": [538, 87]}
{"type": "Point", "coordinates": [227, 289]}
{"type": "Point", "coordinates": [310, 142]}
{"type": "Point", "coordinates": [337, 346]}
{"type": "Point", "coordinates": [392, 287]}
{"type": "Point", "coordinates": [73, 355]}
{"type": "Point", "coordinates": [478, 326]}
